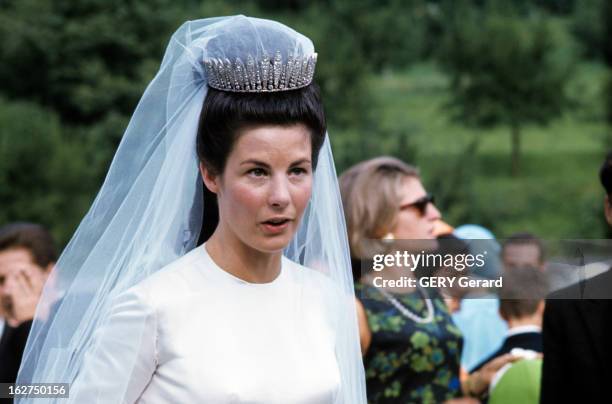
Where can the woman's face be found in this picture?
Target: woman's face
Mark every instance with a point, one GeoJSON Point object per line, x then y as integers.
{"type": "Point", "coordinates": [265, 186]}
{"type": "Point", "coordinates": [411, 222]}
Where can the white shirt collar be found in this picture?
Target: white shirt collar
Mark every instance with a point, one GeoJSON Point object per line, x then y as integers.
{"type": "Point", "coordinates": [523, 329]}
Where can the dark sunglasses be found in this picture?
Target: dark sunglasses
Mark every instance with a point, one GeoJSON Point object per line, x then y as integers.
{"type": "Point", "coordinates": [420, 204]}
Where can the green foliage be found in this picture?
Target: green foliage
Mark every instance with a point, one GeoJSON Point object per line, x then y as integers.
{"type": "Point", "coordinates": [341, 67]}
{"type": "Point", "coordinates": [83, 58]}
{"type": "Point", "coordinates": [558, 195]}
{"type": "Point", "coordinates": [390, 33]}
{"type": "Point", "coordinates": [588, 26]}
{"type": "Point", "coordinates": [608, 104]}
{"type": "Point", "coordinates": [607, 32]}
{"type": "Point", "coordinates": [46, 175]}
{"type": "Point", "coordinates": [562, 7]}
{"type": "Point", "coordinates": [560, 199]}
{"type": "Point", "coordinates": [607, 53]}
{"type": "Point", "coordinates": [505, 69]}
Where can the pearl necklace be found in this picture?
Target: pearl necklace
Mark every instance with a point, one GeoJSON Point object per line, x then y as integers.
{"type": "Point", "coordinates": [407, 313]}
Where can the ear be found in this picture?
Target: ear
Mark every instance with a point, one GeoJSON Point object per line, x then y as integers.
{"type": "Point", "coordinates": [502, 315]}
{"type": "Point", "coordinates": [210, 180]}
{"type": "Point", "coordinates": [542, 266]}
{"type": "Point", "coordinates": [608, 209]}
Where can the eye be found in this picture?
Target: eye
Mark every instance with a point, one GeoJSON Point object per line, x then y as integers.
{"type": "Point", "coordinates": [257, 172]}
{"type": "Point", "coordinates": [298, 171]}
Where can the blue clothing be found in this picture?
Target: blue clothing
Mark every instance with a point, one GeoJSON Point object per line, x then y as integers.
{"type": "Point", "coordinates": [483, 329]}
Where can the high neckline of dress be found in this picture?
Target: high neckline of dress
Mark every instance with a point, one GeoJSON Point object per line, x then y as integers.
{"type": "Point", "coordinates": [222, 273]}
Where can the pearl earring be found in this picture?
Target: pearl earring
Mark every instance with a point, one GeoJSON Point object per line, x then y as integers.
{"type": "Point", "coordinates": [388, 237]}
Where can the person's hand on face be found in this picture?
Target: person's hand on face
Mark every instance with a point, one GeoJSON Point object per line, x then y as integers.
{"type": "Point", "coordinates": [21, 284]}
{"type": "Point", "coordinates": [24, 288]}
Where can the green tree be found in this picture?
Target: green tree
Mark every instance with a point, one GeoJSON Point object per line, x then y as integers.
{"type": "Point", "coordinates": [47, 175]}
{"type": "Point", "coordinates": [561, 7]}
{"type": "Point", "coordinates": [588, 26]}
{"type": "Point", "coordinates": [84, 59]}
{"type": "Point", "coordinates": [607, 33]}
{"type": "Point", "coordinates": [390, 33]}
{"type": "Point", "coordinates": [504, 70]}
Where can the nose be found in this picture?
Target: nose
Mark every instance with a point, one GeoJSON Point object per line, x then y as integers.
{"type": "Point", "coordinates": [432, 213]}
{"type": "Point", "coordinates": [279, 196]}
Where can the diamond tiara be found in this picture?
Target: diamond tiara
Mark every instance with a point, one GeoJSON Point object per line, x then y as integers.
{"type": "Point", "coordinates": [266, 75]}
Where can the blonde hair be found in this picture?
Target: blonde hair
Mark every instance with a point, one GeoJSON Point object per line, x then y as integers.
{"type": "Point", "coordinates": [370, 195]}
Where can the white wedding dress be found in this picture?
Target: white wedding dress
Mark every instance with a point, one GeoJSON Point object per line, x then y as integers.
{"type": "Point", "coordinates": [210, 337]}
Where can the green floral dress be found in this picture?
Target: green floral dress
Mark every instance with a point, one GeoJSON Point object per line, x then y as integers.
{"type": "Point", "coordinates": [409, 362]}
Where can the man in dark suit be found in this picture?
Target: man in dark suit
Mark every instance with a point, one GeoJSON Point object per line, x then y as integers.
{"type": "Point", "coordinates": [27, 255]}
{"type": "Point", "coordinates": [522, 307]}
{"type": "Point", "coordinates": [577, 333]}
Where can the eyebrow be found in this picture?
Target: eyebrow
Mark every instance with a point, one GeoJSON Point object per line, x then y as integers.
{"type": "Point", "coordinates": [301, 161]}
{"type": "Point", "coordinates": [255, 162]}
{"type": "Point", "coordinates": [262, 164]}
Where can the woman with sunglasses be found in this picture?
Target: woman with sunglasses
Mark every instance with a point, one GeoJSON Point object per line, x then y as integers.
{"type": "Point", "coordinates": [412, 348]}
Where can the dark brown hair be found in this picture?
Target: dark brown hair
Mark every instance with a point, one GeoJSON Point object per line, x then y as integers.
{"type": "Point", "coordinates": [32, 237]}
{"type": "Point", "coordinates": [525, 238]}
{"type": "Point", "coordinates": [522, 291]}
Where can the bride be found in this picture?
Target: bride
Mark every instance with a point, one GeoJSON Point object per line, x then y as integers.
{"type": "Point", "coordinates": [236, 291]}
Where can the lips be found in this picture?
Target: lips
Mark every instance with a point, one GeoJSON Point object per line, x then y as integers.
{"type": "Point", "coordinates": [276, 225]}
{"type": "Point", "coordinates": [277, 221]}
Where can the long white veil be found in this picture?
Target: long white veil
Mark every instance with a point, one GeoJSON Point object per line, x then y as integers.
{"type": "Point", "coordinates": [149, 211]}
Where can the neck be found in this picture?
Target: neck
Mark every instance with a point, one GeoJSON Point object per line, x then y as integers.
{"type": "Point", "coordinates": [240, 260]}
{"type": "Point", "coordinates": [518, 322]}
